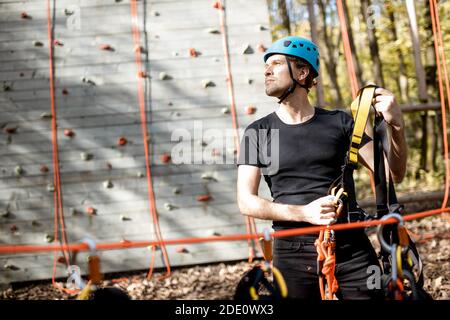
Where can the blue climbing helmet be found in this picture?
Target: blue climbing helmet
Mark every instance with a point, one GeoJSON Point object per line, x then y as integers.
{"type": "Point", "coordinates": [297, 47]}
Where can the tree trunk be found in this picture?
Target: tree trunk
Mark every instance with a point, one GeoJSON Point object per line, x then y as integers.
{"type": "Point", "coordinates": [315, 39]}
{"type": "Point", "coordinates": [373, 44]}
{"type": "Point", "coordinates": [402, 79]}
{"type": "Point", "coordinates": [329, 49]}
{"type": "Point", "coordinates": [284, 15]}
{"type": "Point", "coordinates": [358, 70]}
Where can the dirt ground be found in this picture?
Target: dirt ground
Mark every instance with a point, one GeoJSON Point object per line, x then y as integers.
{"type": "Point", "coordinates": [218, 281]}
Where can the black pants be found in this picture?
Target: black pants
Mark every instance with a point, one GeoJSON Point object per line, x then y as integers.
{"type": "Point", "coordinates": [296, 258]}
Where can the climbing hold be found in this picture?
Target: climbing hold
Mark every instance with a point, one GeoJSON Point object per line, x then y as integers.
{"type": "Point", "coordinates": [86, 156]}
{"type": "Point", "coordinates": [215, 152]}
{"type": "Point", "coordinates": [58, 43]}
{"type": "Point", "coordinates": [225, 110]}
{"type": "Point", "coordinates": [142, 74]}
{"type": "Point", "coordinates": [175, 54]}
{"type": "Point", "coordinates": [249, 80]}
{"type": "Point", "coordinates": [140, 175]}
{"type": "Point", "coordinates": [91, 211]}
{"type": "Point", "coordinates": [155, 13]}
{"type": "Point", "coordinates": [68, 12]}
{"type": "Point", "coordinates": [12, 267]}
{"type": "Point", "coordinates": [181, 250]}
{"type": "Point", "coordinates": [140, 49]}
{"type": "Point", "coordinates": [106, 47]}
{"type": "Point", "coordinates": [250, 109]}
{"type": "Point", "coordinates": [108, 184]}
{"type": "Point", "coordinates": [208, 83]}
{"type": "Point", "coordinates": [10, 130]}
{"type": "Point", "coordinates": [175, 114]}
{"type": "Point", "coordinates": [202, 143]}
{"type": "Point", "coordinates": [247, 49]}
{"type": "Point", "coordinates": [176, 190]}
{"type": "Point", "coordinates": [208, 176]}
{"type": "Point", "coordinates": [49, 238]}
{"type": "Point", "coordinates": [165, 158]}
{"type": "Point", "coordinates": [164, 76]}
{"type": "Point", "coordinates": [46, 115]}
{"type": "Point", "coordinates": [35, 223]}
{"type": "Point", "coordinates": [25, 15]}
{"type": "Point", "coordinates": [61, 260]}
{"type": "Point", "coordinates": [216, 234]}
{"type": "Point", "coordinates": [14, 228]}
{"type": "Point", "coordinates": [5, 213]}
{"type": "Point", "coordinates": [6, 87]}
{"type": "Point", "coordinates": [193, 53]}
{"type": "Point", "coordinates": [88, 81]}
{"type": "Point", "coordinates": [50, 187]}
{"type": "Point", "coordinates": [125, 218]}
{"type": "Point", "coordinates": [168, 206]}
{"type": "Point", "coordinates": [170, 104]}
{"type": "Point", "coordinates": [213, 31]}
{"type": "Point", "coordinates": [38, 44]}
{"type": "Point", "coordinates": [218, 5]}
{"type": "Point", "coordinates": [261, 48]}
{"type": "Point", "coordinates": [122, 141]}
{"type": "Point", "coordinates": [262, 28]}
{"type": "Point", "coordinates": [65, 92]}
{"type": "Point", "coordinates": [44, 169]}
{"type": "Point", "coordinates": [109, 166]}
{"type": "Point", "coordinates": [204, 198]}
{"type": "Point", "coordinates": [73, 211]}
{"type": "Point", "coordinates": [69, 133]}
{"type": "Point", "coordinates": [18, 170]}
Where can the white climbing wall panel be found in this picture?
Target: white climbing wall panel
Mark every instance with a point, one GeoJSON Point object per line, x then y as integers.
{"type": "Point", "coordinates": [97, 104]}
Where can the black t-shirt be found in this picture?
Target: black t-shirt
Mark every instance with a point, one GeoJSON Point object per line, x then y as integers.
{"type": "Point", "coordinates": [300, 161]}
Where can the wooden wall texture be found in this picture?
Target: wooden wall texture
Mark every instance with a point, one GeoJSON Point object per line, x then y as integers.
{"type": "Point", "coordinates": [99, 114]}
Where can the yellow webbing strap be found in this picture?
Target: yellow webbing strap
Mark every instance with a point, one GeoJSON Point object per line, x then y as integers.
{"type": "Point", "coordinates": [360, 112]}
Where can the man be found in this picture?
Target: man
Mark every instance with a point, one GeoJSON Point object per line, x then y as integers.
{"type": "Point", "coordinates": [308, 147]}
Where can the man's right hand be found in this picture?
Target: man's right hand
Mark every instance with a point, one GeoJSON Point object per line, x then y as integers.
{"type": "Point", "coordinates": [320, 212]}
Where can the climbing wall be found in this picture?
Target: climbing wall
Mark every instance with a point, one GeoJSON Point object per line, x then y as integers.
{"type": "Point", "coordinates": [101, 148]}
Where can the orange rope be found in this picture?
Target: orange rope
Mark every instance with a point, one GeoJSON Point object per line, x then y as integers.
{"type": "Point", "coordinates": [326, 260]}
{"type": "Point", "coordinates": [14, 249]}
{"type": "Point", "coordinates": [440, 54]}
{"type": "Point", "coordinates": [141, 96]}
{"type": "Point", "coordinates": [347, 49]}
{"type": "Point", "coordinates": [250, 222]}
{"type": "Point", "coordinates": [57, 195]}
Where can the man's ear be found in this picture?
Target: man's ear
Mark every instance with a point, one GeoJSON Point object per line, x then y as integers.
{"type": "Point", "coordinates": [303, 73]}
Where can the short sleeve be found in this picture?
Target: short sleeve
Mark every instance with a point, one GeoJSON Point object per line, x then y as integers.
{"type": "Point", "coordinates": [249, 153]}
{"type": "Point", "coordinates": [347, 125]}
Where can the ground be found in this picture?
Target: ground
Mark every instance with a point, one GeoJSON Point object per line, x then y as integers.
{"type": "Point", "coordinates": [218, 281]}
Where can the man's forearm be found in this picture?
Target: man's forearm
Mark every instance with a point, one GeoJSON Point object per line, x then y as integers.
{"type": "Point", "coordinates": [257, 207]}
{"type": "Point", "coordinates": [398, 153]}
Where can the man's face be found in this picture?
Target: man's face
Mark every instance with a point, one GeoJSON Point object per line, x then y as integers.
{"type": "Point", "coordinates": [277, 78]}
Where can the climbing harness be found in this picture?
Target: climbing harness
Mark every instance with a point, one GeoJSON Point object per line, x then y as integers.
{"type": "Point", "coordinates": [255, 279]}
{"type": "Point", "coordinates": [399, 256]}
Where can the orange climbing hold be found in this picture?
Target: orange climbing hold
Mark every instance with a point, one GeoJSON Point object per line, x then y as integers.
{"type": "Point", "coordinates": [10, 130]}
{"type": "Point", "coordinates": [44, 169]}
{"type": "Point", "coordinates": [250, 109]}
{"type": "Point", "coordinates": [65, 92]}
{"type": "Point", "coordinates": [91, 211]}
{"type": "Point", "coordinates": [218, 5]}
{"type": "Point", "coordinates": [193, 53]}
{"type": "Point", "coordinates": [181, 250]}
{"type": "Point", "coordinates": [106, 47]}
{"type": "Point", "coordinates": [261, 48]}
{"type": "Point", "coordinates": [165, 158]}
{"type": "Point", "coordinates": [69, 133]}
{"type": "Point", "coordinates": [58, 43]}
{"type": "Point", "coordinates": [142, 74]}
{"type": "Point", "coordinates": [14, 228]}
{"type": "Point", "coordinates": [25, 15]}
{"type": "Point", "coordinates": [122, 141]}
{"type": "Point", "coordinates": [204, 198]}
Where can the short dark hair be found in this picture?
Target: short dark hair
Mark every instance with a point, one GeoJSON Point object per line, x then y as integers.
{"type": "Point", "coordinates": [310, 80]}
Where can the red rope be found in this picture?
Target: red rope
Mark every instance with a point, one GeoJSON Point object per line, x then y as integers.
{"type": "Point", "coordinates": [347, 49]}
{"type": "Point", "coordinates": [13, 249]}
{"type": "Point", "coordinates": [141, 96]}
{"type": "Point", "coordinates": [249, 221]}
{"type": "Point", "coordinates": [57, 195]}
{"type": "Point", "coordinates": [440, 54]}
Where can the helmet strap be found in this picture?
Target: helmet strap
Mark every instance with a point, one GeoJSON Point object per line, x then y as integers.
{"type": "Point", "coordinates": [293, 85]}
